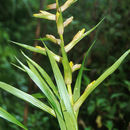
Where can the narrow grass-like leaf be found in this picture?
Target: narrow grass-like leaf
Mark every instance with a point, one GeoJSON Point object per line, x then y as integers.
{"type": "Point", "coordinates": [57, 106]}
{"type": "Point", "coordinates": [70, 116]}
{"type": "Point", "coordinates": [77, 86]}
{"type": "Point", "coordinates": [44, 74]}
{"type": "Point", "coordinates": [72, 44]}
{"type": "Point", "coordinates": [26, 97]}
{"type": "Point", "coordinates": [37, 50]}
{"type": "Point", "coordinates": [18, 67]}
{"type": "Point", "coordinates": [5, 115]}
{"type": "Point", "coordinates": [39, 81]}
{"type": "Point", "coordinates": [88, 32]}
{"type": "Point", "coordinates": [34, 75]}
{"type": "Point", "coordinates": [91, 87]}
{"type": "Point", "coordinates": [61, 122]}
{"type": "Point", "coordinates": [38, 95]}
{"type": "Point", "coordinates": [31, 48]}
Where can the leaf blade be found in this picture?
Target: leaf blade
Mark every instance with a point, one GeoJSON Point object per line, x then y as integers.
{"type": "Point", "coordinates": [37, 50]}
{"type": "Point", "coordinates": [69, 114]}
{"type": "Point", "coordinates": [76, 93]}
{"type": "Point", "coordinates": [77, 86]}
{"type": "Point", "coordinates": [92, 86]}
{"type": "Point", "coordinates": [38, 95]}
{"type": "Point", "coordinates": [26, 97]}
{"type": "Point", "coordinates": [44, 74]}
{"type": "Point", "coordinates": [31, 48]}
{"type": "Point", "coordinates": [7, 116]}
{"type": "Point", "coordinates": [72, 44]}
{"type": "Point", "coordinates": [39, 81]}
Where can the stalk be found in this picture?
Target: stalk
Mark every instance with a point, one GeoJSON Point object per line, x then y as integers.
{"type": "Point", "coordinates": [65, 62]}
{"type": "Point", "coordinates": [70, 94]}
{"type": "Point", "coordinates": [69, 115]}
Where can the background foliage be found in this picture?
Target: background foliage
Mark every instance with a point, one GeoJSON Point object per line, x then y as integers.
{"type": "Point", "coordinates": [108, 106]}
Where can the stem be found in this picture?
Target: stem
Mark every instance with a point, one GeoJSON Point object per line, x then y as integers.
{"type": "Point", "coordinates": [67, 71]}
{"type": "Point", "coordinates": [62, 40]}
{"type": "Point", "coordinates": [70, 94]}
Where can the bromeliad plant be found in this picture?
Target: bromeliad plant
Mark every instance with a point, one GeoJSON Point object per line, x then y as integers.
{"type": "Point", "coordinates": [64, 104]}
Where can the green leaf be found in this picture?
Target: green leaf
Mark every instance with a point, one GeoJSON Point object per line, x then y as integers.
{"type": "Point", "coordinates": [88, 32]}
{"type": "Point", "coordinates": [34, 75]}
{"type": "Point", "coordinates": [5, 115]}
{"type": "Point", "coordinates": [54, 103]}
{"type": "Point", "coordinates": [39, 81]}
{"type": "Point", "coordinates": [44, 74]}
{"type": "Point", "coordinates": [31, 48]}
{"type": "Point", "coordinates": [38, 95]}
{"type": "Point", "coordinates": [77, 87]}
{"type": "Point", "coordinates": [26, 97]}
{"type": "Point", "coordinates": [18, 67]}
{"type": "Point", "coordinates": [72, 44]}
{"type": "Point", "coordinates": [92, 86]}
{"type": "Point", "coordinates": [38, 50]}
{"type": "Point", "coordinates": [68, 113]}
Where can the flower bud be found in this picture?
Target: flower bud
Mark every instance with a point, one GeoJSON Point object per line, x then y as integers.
{"type": "Point", "coordinates": [73, 42]}
{"type": "Point", "coordinates": [57, 57]}
{"type": "Point", "coordinates": [67, 4]}
{"type": "Point", "coordinates": [71, 64]}
{"type": "Point", "coordinates": [51, 6]}
{"type": "Point", "coordinates": [68, 21]}
{"type": "Point", "coordinates": [89, 85]}
{"type": "Point", "coordinates": [53, 39]}
{"type": "Point", "coordinates": [45, 15]}
{"type": "Point", "coordinates": [39, 47]}
{"type": "Point", "coordinates": [59, 21]}
{"type": "Point", "coordinates": [78, 35]}
{"type": "Point", "coordinates": [76, 67]}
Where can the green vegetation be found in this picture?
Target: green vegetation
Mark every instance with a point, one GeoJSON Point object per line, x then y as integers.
{"type": "Point", "coordinates": [64, 98]}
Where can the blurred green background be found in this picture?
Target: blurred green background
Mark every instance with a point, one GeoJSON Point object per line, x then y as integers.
{"type": "Point", "coordinates": [108, 107]}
